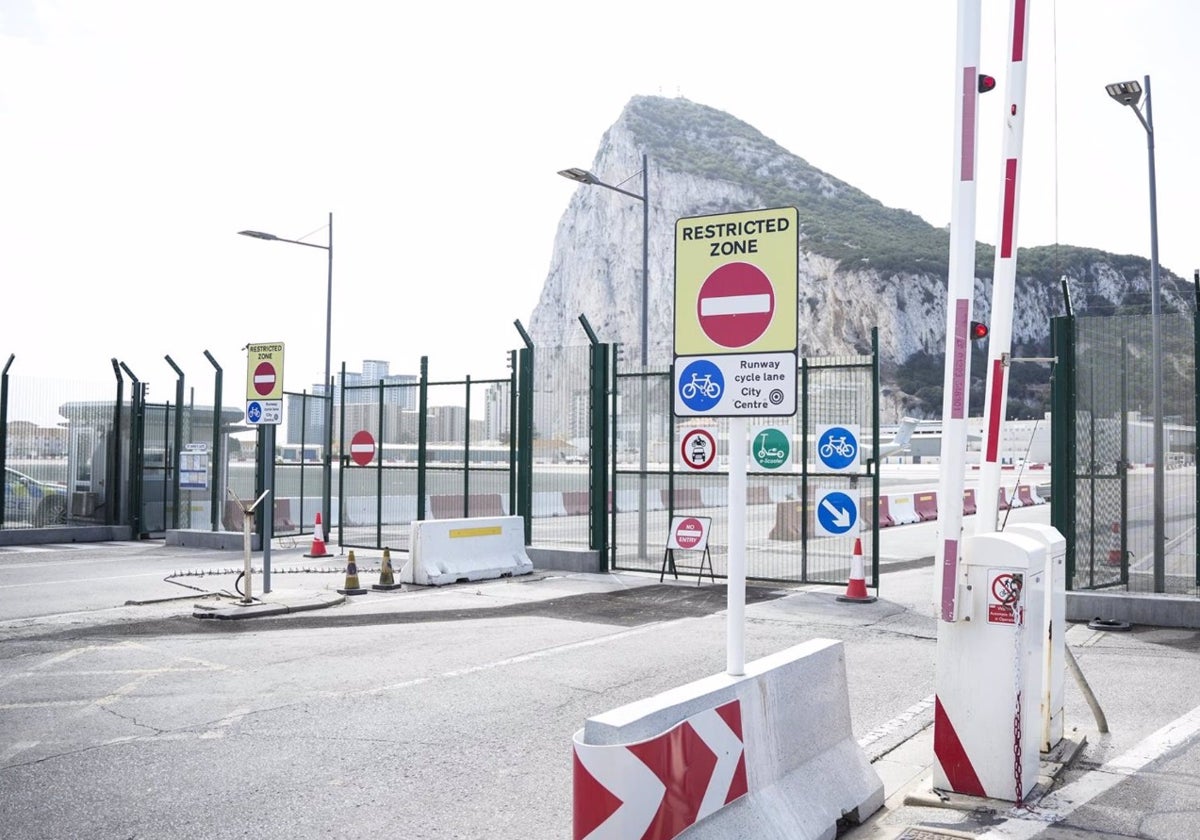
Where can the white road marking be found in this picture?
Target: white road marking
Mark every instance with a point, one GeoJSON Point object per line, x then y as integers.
{"type": "Point", "coordinates": [1059, 804]}
{"type": "Point", "coordinates": [525, 657]}
{"type": "Point", "coordinates": [898, 722]}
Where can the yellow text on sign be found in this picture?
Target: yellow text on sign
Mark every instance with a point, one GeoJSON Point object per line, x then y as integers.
{"type": "Point", "coordinates": [765, 240]}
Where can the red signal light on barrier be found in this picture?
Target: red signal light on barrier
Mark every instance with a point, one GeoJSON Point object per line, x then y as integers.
{"type": "Point", "coordinates": [978, 331]}
{"type": "Point", "coordinates": [986, 82]}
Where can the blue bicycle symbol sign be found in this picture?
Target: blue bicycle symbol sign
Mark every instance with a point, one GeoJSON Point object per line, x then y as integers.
{"type": "Point", "coordinates": [837, 447]}
{"type": "Point", "coordinates": [254, 412]}
{"type": "Point", "coordinates": [701, 385]}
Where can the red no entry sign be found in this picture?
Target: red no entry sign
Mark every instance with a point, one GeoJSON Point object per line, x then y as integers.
{"type": "Point", "coordinates": [736, 304]}
{"type": "Point", "coordinates": [689, 532]}
{"type": "Point", "coordinates": [362, 448]}
{"type": "Point", "coordinates": [264, 378]}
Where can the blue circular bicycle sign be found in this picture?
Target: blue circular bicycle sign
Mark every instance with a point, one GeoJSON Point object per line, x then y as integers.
{"type": "Point", "coordinates": [837, 447]}
{"type": "Point", "coordinates": [701, 385]}
{"type": "Point", "coordinates": [254, 412]}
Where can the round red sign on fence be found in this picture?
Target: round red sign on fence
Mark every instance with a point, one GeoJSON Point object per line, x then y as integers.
{"type": "Point", "coordinates": [698, 448]}
{"type": "Point", "coordinates": [362, 448]}
{"type": "Point", "coordinates": [689, 532]}
{"type": "Point", "coordinates": [736, 304]}
{"type": "Point", "coordinates": [264, 378]}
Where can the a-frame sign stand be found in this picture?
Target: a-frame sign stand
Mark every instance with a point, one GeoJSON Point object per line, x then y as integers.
{"type": "Point", "coordinates": [687, 533]}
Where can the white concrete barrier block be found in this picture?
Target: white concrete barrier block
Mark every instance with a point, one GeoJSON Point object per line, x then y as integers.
{"type": "Point", "coordinates": [784, 492]}
{"type": "Point", "coordinates": [549, 504]}
{"type": "Point", "coordinates": [398, 510]}
{"type": "Point", "coordinates": [627, 500]}
{"type": "Point", "coordinates": [714, 496]}
{"type": "Point", "coordinates": [903, 509]}
{"type": "Point", "coordinates": [787, 765]}
{"type": "Point", "coordinates": [480, 548]}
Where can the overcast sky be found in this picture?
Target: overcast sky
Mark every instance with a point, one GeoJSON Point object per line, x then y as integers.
{"type": "Point", "coordinates": [138, 136]}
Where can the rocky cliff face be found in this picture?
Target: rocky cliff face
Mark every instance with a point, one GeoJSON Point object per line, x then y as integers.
{"type": "Point", "coordinates": [862, 265]}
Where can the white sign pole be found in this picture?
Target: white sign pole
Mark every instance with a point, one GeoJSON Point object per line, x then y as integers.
{"type": "Point", "coordinates": [735, 659]}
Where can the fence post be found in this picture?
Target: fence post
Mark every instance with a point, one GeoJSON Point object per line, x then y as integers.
{"type": "Point", "coordinates": [4, 431]}
{"type": "Point", "coordinates": [328, 414]}
{"type": "Point", "coordinates": [173, 460]}
{"type": "Point", "coordinates": [875, 457]}
{"type": "Point", "coordinates": [216, 460]}
{"type": "Point", "coordinates": [467, 447]}
{"type": "Point", "coordinates": [598, 445]}
{"type": "Point", "coordinates": [512, 431]}
{"type": "Point", "coordinates": [137, 421]}
{"type": "Point", "coordinates": [382, 436]}
{"type": "Point", "coordinates": [422, 434]}
{"type": "Point", "coordinates": [1062, 435]}
{"type": "Point", "coordinates": [112, 504]}
{"type": "Point", "coordinates": [525, 434]}
{"type": "Point", "coordinates": [804, 475]}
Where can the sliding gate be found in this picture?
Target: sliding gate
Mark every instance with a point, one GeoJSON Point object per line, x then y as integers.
{"type": "Point", "coordinates": [786, 540]}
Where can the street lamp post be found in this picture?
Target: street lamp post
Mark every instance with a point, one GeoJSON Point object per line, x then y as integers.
{"type": "Point", "coordinates": [327, 461]}
{"type": "Point", "coordinates": [583, 176]}
{"type": "Point", "coordinates": [1129, 93]}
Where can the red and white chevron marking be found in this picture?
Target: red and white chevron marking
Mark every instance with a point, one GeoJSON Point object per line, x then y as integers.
{"type": "Point", "coordinates": [655, 789]}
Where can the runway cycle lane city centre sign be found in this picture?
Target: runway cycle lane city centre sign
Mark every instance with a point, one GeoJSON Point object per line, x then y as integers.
{"type": "Point", "coordinates": [735, 314]}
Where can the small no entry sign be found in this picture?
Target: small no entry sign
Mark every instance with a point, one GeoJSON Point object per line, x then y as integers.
{"type": "Point", "coordinates": [688, 533]}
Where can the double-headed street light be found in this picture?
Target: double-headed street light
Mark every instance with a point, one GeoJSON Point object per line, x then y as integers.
{"type": "Point", "coordinates": [585, 177]}
{"type": "Point", "coordinates": [326, 463]}
{"type": "Point", "coordinates": [1130, 94]}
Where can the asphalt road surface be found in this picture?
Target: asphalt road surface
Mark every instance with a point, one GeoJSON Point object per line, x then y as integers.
{"type": "Point", "coordinates": [448, 713]}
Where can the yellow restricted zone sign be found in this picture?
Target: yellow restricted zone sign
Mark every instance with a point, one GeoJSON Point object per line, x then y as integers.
{"type": "Point", "coordinates": [264, 371]}
{"type": "Point", "coordinates": [735, 283]}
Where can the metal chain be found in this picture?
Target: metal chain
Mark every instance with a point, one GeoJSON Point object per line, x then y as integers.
{"type": "Point", "coordinates": [306, 571]}
{"type": "Point", "coordinates": [1018, 623]}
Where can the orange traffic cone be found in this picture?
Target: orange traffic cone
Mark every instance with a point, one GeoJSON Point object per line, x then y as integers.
{"type": "Point", "coordinates": [318, 544]}
{"type": "Point", "coordinates": [856, 589]}
{"type": "Point", "coordinates": [352, 587]}
{"type": "Point", "coordinates": [387, 579]}
{"type": "Point", "coordinates": [1114, 545]}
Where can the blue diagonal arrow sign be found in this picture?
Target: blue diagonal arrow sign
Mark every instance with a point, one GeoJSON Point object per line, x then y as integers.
{"type": "Point", "coordinates": [837, 513]}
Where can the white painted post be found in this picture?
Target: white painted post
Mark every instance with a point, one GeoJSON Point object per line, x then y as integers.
{"type": "Point", "coordinates": [960, 294]}
{"type": "Point", "coordinates": [248, 596]}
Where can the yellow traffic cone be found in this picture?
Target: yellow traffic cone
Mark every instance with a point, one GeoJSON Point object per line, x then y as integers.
{"type": "Point", "coordinates": [386, 579]}
{"type": "Point", "coordinates": [352, 587]}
